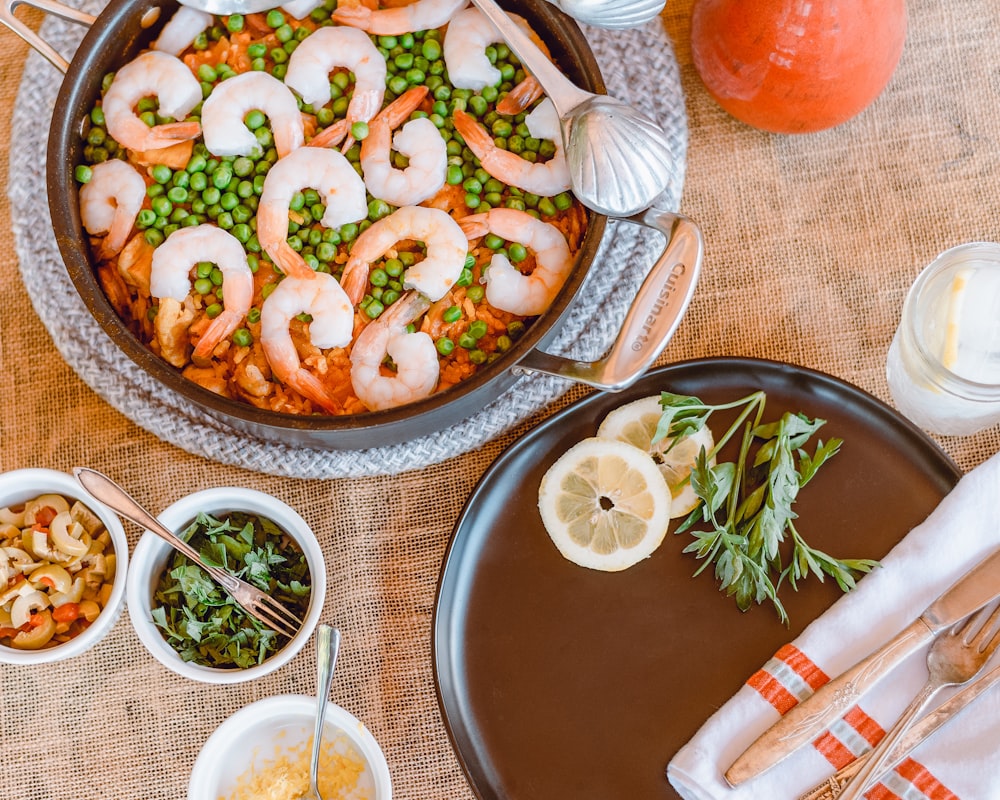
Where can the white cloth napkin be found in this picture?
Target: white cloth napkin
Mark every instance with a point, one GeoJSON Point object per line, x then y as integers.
{"type": "Point", "coordinates": [961, 762]}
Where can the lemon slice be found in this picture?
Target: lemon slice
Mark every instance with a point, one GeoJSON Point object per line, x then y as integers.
{"type": "Point", "coordinates": [635, 423]}
{"type": "Point", "coordinates": [605, 504]}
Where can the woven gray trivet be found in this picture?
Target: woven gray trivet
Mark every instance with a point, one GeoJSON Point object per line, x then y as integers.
{"type": "Point", "coordinates": [632, 61]}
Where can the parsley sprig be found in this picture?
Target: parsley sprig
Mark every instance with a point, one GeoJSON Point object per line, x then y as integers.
{"type": "Point", "coordinates": [745, 513]}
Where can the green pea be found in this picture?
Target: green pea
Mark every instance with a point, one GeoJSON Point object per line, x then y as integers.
{"type": "Point", "coordinates": [253, 315]}
{"type": "Point", "coordinates": [349, 232]}
{"type": "Point", "coordinates": [445, 346]}
{"type": "Point", "coordinates": [452, 314]}
{"type": "Point", "coordinates": [153, 237]}
{"type": "Point", "coordinates": [181, 178]}
{"type": "Point", "coordinates": [467, 340]}
{"type": "Point", "coordinates": [475, 293]}
{"type": "Point", "coordinates": [415, 77]}
{"type": "Point", "coordinates": [478, 329]}
{"type": "Point", "coordinates": [146, 218]}
{"type": "Point", "coordinates": [275, 19]}
{"type": "Point", "coordinates": [326, 251]}
{"type": "Point", "coordinates": [430, 50]}
{"type": "Point", "coordinates": [515, 203]}
{"type": "Point", "coordinates": [222, 176]}
{"type": "Point", "coordinates": [563, 201]}
{"type": "Point", "coordinates": [493, 241]}
{"type": "Point", "coordinates": [493, 198]}
{"type": "Point", "coordinates": [388, 42]}
{"type": "Point", "coordinates": [403, 61]}
{"type": "Point", "coordinates": [359, 130]}
{"type": "Point", "coordinates": [390, 296]}
{"type": "Point", "coordinates": [207, 74]}
{"type": "Point", "coordinates": [377, 209]}
{"type": "Point", "coordinates": [242, 337]}
{"type": "Point", "coordinates": [211, 195]}
{"type": "Point", "coordinates": [278, 56]}
{"type": "Point", "coordinates": [203, 286]}
{"type": "Point", "coordinates": [224, 220]}
{"type": "Point", "coordinates": [515, 329]}
{"type": "Point", "coordinates": [374, 309]}
{"type": "Point", "coordinates": [229, 201]}
{"type": "Point", "coordinates": [517, 252]}
{"type": "Point", "coordinates": [83, 173]}
{"type": "Point", "coordinates": [213, 310]}
{"type": "Point", "coordinates": [546, 207]}
{"type": "Point", "coordinates": [177, 194]}
{"type": "Point", "coordinates": [398, 84]}
{"type": "Point", "coordinates": [477, 356]}
{"type": "Point", "coordinates": [465, 278]}
{"type": "Point", "coordinates": [162, 206]}
{"type": "Point", "coordinates": [161, 173]}
{"type": "Point", "coordinates": [196, 163]}
{"type": "Point", "coordinates": [478, 105]}
{"type": "Point", "coordinates": [258, 64]}
{"type": "Point", "coordinates": [378, 277]}
{"type": "Point", "coordinates": [284, 33]}
{"type": "Point", "coordinates": [503, 343]}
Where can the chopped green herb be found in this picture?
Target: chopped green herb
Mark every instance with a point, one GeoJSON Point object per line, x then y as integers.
{"type": "Point", "coordinates": [200, 620]}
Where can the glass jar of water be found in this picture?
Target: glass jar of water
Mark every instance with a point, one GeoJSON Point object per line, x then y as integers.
{"type": "Point", "coordinates": [943, 365]}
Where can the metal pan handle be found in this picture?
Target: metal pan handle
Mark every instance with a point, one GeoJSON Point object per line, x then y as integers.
{"type": "Point", "coordinates": [7, 9]}
{"type": "Point", "coordinates": [652, 318]}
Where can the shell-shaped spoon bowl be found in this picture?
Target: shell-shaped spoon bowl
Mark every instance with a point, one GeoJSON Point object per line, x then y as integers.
{"type": "Point", "coordinates": [617, 156]}
{"type": "Point", "coordinates": [611, 13]}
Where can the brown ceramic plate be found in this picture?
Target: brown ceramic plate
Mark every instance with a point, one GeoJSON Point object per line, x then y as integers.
{"type": "Point", "coordinates": [561, 682]}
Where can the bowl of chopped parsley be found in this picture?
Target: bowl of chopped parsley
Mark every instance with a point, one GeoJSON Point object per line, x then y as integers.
{"type": "Point", "coordinates": [188, 622]}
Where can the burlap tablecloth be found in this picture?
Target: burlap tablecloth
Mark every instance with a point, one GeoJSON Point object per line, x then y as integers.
{"type": "Point", "coordinates": [812, 243]}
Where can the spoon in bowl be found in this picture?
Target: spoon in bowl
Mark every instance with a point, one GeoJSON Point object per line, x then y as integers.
{"type": "Point", "coordinates": [619, 159]}
{"type": "Point", "coordinates": [327, 648]}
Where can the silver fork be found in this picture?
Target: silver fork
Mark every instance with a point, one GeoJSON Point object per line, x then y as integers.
{"type": "Point", "coordinates": [255, 602]}
{"type": "Point", "coordinates": [956, 657]}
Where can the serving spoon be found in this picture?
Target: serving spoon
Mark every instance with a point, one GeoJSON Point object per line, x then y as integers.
{"type": "Point", "coordinates": [327, 647]}
{"type": "Point", "coordinates": [619, 159]}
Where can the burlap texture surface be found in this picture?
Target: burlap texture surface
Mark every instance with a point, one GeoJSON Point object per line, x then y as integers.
{"type": "Point", "coordinates": [811, 244]}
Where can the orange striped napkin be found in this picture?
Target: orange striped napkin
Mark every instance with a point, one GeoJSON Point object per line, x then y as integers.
{"type": "Point", "coordinates": [962, 761]}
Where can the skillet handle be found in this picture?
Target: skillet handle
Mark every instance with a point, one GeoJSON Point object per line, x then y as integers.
{"type": "Point", "coordinates": [652, 318]}
{"type": "Point", "coordinates": [7, 17]}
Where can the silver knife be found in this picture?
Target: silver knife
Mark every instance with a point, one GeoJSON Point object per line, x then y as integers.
{"type": "Point", "coordinates": [921, 730]}
{"type": "Point", "coordinates": [803, 722]}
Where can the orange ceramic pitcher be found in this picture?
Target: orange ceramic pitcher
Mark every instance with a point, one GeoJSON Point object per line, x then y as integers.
{"type": "Point", "coordinates": [796, 66]}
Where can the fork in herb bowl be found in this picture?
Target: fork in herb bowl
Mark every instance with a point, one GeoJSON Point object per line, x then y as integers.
{"type": "Point", "coordinates": [255, 602]}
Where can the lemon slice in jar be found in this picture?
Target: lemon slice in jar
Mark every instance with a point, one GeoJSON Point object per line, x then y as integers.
{"type": "Point", "coordinates": [605, 504]}
{"type": "Point", "coordinates": [635, 423]}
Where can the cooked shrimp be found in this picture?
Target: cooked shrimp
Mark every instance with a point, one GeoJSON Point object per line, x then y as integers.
{"type": "Point", "coordinates": [176, 89]}
{"type": "Point", "coordinates": [332, 325]}
{"type": "Point", "coordinates": [222, 113]}
{"type": "Point", "coordinates": [446, 244]}
{"type": "Point", "coordinates": [300, 9]}
{"type": "Point", "coordinates": [321, 52]}
{"type": "Point", "coordinates": [419, 140]}
{"type": "Point", "coordinates": [110, 202]}
{"type": "Point", "coordinates": [419, 16]}
{"type": "Point", "coordinates": [520, 97]}
{"type": "Point", "coordinates": [181, 30]}
{"type": "Point", "coordinates": [546, 178]}
{"type": "Point", "coordinates": [506, 287]}
{"type": "Point", "coordinates": [170, 277]}
{"type": "Point", "coordinates": [413, 354]}
{"type": "Point", "coordinates": [465, 42]}
{"type": "Point", "coordinates": [326, 171]}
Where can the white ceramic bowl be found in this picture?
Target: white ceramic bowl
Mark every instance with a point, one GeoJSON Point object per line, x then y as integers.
{"type": "Point", "coordinates": [22, 485]}
{"type": "Point", "coordinates": [153, 553]}
{"type": "Point", "coordinates": [250, 738]}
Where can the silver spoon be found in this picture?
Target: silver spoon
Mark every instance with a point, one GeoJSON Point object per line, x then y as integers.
{"type": "Point", "coordinates": [327, 647]}
{"type": "Point", "coordinates": [619, 159]}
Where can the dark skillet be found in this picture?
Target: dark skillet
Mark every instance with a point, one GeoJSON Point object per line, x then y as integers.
{"type": "Point", "coordinates": [121, 31]}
